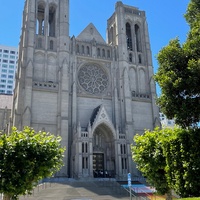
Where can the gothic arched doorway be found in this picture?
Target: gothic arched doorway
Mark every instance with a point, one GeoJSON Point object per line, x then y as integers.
{"type": "Point", "coordinates": [103, 152]}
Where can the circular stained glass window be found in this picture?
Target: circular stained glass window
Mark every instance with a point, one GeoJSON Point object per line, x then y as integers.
{"type": "Point", "coordinates": [93, 78]}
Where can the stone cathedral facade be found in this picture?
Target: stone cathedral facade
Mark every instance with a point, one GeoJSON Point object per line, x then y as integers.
{"type": "Point", "coordinates": [95, 94]}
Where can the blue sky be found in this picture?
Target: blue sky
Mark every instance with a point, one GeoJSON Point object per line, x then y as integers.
{"type": "Point", "coordinates": [165, 19]}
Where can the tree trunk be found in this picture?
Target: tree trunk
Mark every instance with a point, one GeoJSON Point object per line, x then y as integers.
{"type": "Point", "coordinates": [169, 195]}
{"type": "Point", "coordinates": [7, 197]}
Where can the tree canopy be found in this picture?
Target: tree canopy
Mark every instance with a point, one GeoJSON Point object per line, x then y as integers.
{"type": "Point", "coordinates": [25, 158]}
{"type": "Point", "coordinates": [179, 73]}
{"type": "Point", "coordinates": [169, 158]}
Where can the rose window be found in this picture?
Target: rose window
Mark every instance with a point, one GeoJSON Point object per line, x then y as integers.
{"type": "Point", "coordinates": [93, 79]}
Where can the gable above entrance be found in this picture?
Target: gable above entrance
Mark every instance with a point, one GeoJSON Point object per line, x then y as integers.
{"type": "Point", "coordinates": [100, 116]}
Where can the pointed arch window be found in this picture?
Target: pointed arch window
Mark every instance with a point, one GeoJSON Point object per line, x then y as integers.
{"type": "Point", "coordinates": [40, 20]}
{"type": "Point", "coordinates": [103, 52]}
{"type": "Point", "coordinates": [138, 38]}
{"type": "Point", "coordinates": [130, 57]}
{"type": "Point", "coordinates": [88, 50]}
{"type": "Point", "coordinates": [124, 149]}
{"type": "Point", "coordinates": [83, 147]}
{"type": "Point", "coordinates": [83, 49]}
{"type": "Point", "coordinates": [52, 21]}
{"type": "Point", "coordinates": [86, 147]}
{"type": "Point", "coordinates": [111, 35]}
{"type": "Point", "coordinates": [129, 37]}
{"type": "Point", "coordinates": [139, 59]}
{"type": "Point", "coordinates": [77, 48]}
{"type": "Point", "coordinates": [108, 53]}
{"type": "Point", "coordinates": [98, 52]}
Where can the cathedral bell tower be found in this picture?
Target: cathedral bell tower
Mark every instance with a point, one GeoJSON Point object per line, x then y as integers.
{"type": "Point", "coordinates": [41, 92]}
{"type": "Point", "coordinates": [127, 31]}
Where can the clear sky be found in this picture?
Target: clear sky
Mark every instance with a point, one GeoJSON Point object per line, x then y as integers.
{"type": "Point", "coordinates": [165, 19]}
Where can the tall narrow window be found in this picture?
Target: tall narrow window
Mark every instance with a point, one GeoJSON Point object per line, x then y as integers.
{"type": "Point", "coordinates": [52, 21]}
{"type": "Point", "coordinates": [124, 149]}
{"type": "Point", "coordinates": [129, 37]}
{"type": "Point", "coordinates": [77, 48]}
{"type": "Point", "coordinates": [125, 163]}
{"type": "Point", "coordinates": [122, 163]}
{"type": "Point", "coordinates": [86, 147]}
{"type": "Point", "coordinates": [86, 162]}
{"type": "Point", "coordinates": [51, 45]}
{"type": "Point", "coordinates": [108, 53]}
{"type": "Point", "coordinates": [40, 20]}
{"type": "Point", "coordinates": [103, 52]}
{"type": "Point", "coordinates": [98, 52]}
{"type": "Point", "coordinates": [138, 38]}
{"type": "Point", "coordinates": [111, 33]}
{"type": "Point", "coordinates": [121, 149]}
{"type": "Point", "coordinates": [83, 50]}
{"type": "Point", "coordinates": [88, 50]}
{"type": "Point", "coordinates": [37, 27]}
{"type": "Point", "coordinates": [130, 57]}
{"type": "Point", "coordinates": [83, 162]}
{"type": "Point", "coordinates": [83, 145]}
{"type": "Point", "coordinates": [139, 59]}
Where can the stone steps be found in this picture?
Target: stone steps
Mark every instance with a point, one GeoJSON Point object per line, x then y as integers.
{"type": "Point", "coordinates": [78, 190]}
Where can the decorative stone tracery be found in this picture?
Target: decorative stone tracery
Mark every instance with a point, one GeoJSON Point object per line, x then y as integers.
{"type": "Point", "coordinates": [93, 79]}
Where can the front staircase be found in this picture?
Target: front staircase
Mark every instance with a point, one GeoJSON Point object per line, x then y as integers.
{"type": "Point", "coordinates": [91, 189]}
{"type": "Point", "coordinates": [101, 189]}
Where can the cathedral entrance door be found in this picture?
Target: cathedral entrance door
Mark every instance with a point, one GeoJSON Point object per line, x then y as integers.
{"type": "Point", "coordinates": [98, 165]}
{"type": "Point", "coordinates": [103, 152]}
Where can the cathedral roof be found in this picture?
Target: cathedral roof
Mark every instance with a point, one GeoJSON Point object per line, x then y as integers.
{"type": "Point", "coordinates": [91, 33]}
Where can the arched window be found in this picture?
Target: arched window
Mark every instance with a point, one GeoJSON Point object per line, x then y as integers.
{"type": "Point", "coordinates": [129, 37]}
{"type": "Point", "coordinates": [83, 49]}
{"type": "Point", "coordinates": [130, 57]}
{"type": "Point", "coordinates": [37, 27]}
{"type": "Point", "coordinates": [124, 149]}
{"type": "Point", "coordinates": [52, 21]}
{"type": "Point", "coordinates": [138, 38]}
{"type": "Point", "coordinates": [83, 149]}
{"type": "Point", "coordinates": [77, 48]}
{"type": "Point", "coordinates": [111, 33]}
{"type": "Point", "coordinates": [98, 52]}
{"type": "Point", "coordinates": [86, 147]}
{"type": "Point", "coordinates": [108, 53]}
{"type": "Point", "coordinates": [88, 50]}
{"type": "Point", "coordinates": [139, 59]}
{"type": "Point", "coordinates": [103, 52]}
{"type": "Point", "coordinates": [40, 20]}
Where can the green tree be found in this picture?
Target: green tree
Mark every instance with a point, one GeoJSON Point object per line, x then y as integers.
{"type": "Point", "coordinates": [169, 158]}
{"type": "Point", "coordinates": [147, 152]}
{"type": "Point", "coordinates": [179, 73]}
{"type": "Point", "coordinates": [181, 150]}
{"type": "Point", "coordinates": [25, 158]}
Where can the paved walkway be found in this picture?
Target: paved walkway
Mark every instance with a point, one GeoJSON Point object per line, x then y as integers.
{"type": "Point", "coordinates": [79, 190]}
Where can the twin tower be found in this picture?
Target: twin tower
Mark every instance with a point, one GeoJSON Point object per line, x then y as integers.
{"type": "Point", "coordinates": [95, 94]}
